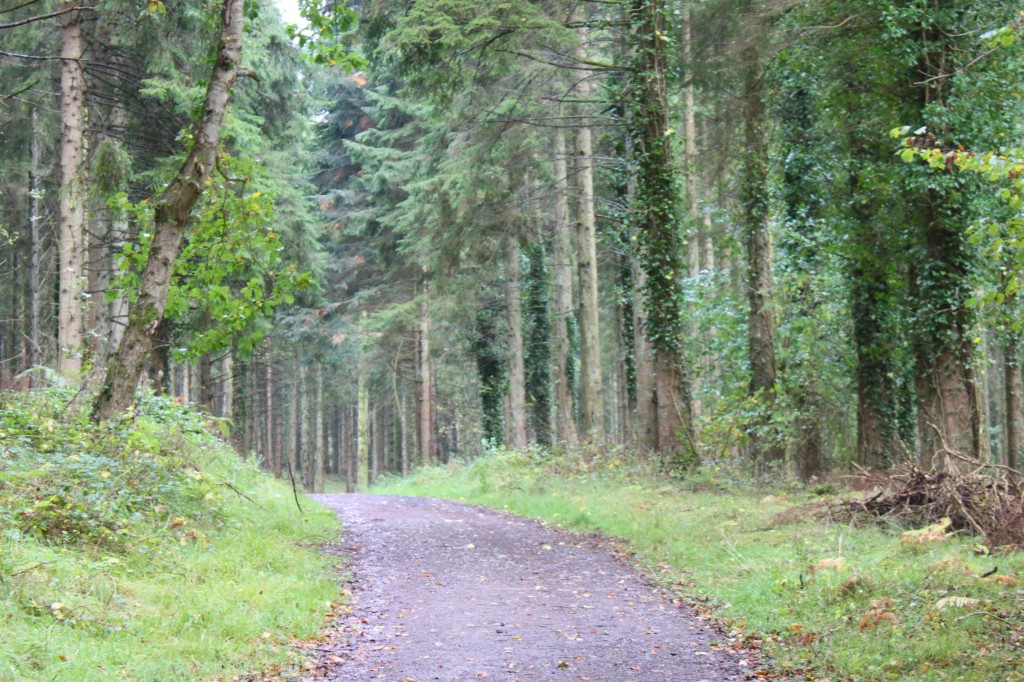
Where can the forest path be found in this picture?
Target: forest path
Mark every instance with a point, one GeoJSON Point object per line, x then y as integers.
{"type": "Point", "coordinates": [446, 591]}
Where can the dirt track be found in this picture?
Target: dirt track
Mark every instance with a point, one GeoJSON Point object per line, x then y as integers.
{"type": "Point", "coordinates": [444, 591]}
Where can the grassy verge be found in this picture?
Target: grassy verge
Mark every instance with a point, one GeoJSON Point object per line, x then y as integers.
{"type": "Point", "coordinates": [833, 602]}
{"type": "Point", "coordinates": [147, 550]}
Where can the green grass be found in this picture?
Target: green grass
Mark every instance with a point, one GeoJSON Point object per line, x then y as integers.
{"type": "Point", "coordinates": [165, 574]}
{"type": "Point", "coordinates": [829, 600]}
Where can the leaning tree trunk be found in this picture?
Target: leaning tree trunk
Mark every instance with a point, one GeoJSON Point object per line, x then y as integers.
{"type": "Point", "coordinates": [172, 214]}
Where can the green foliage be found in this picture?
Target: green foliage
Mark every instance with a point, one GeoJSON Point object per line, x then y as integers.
{"type": "Point", "coordinates": [231, 275]}
{"type": "Point", "coordinates": [655, 208]}
{"type": "Point", "coordinates": [326, 35]}
{"type": "Point", "coordinates": [68, 481]}
{"type": "Point", "coordinates": [146, 549]}
{"type": "Point", "coordinates": [1000, 234]}
{"type": "Point", "coordinates": [491, 363]}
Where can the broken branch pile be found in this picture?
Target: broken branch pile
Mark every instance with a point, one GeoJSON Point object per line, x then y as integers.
{"type": "Point", "coordinates": [977, 497]}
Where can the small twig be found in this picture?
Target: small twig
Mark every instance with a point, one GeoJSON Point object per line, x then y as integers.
{"type": "Point", "coordinates": [237, 491]}
{"type": "Point", "coordinates": [32, 568]}
{"type": "Point", "coordinates": [295, 491]}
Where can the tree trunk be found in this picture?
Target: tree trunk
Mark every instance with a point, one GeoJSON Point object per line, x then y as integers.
{"type": "Point", "coordinates": [565, 424]}
{"type": "Point", "coordinates": [373, 461]}
{"type": "Point", "coordinates": [403, 424]}
{"type": "Point", "coordinates": [690, 151]}
{"type": "Point", "coordinates": [73, 197]}
{"type": "Point", "coordinates": [363, 450]}
{"type": "Point", "coordinates": [299, 434]}
{"type": "Point", "coordinates": [36, 356]}
{"type": "Point", "coordinates": [351, 449]}
{"type": "Point", "coordinates": [1014, 424]}
{"type": "Point", "coordinates": [643, 359]}
{"type": "Point", "coordinates": [761, 320]}
{"type": "Point", "coordinates": [172, 213]}
{"type": "Point", "coordinates": [656, 217]}
{"type": "Point", "coordinates": [516, 363]}
{"type": "Point", "coordinates": [406, 435]}
{"type": "Point", "coordinates": [591, 388]}
{"type": "Point", "coordinates": [320, 431]}
{"type": "Point", "coordinates": [273, 454]}
{"type": "Point", "coordinates": [424, 387]}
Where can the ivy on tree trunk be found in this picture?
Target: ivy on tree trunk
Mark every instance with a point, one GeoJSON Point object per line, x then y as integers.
{"type": "Point", "coordinates": [172, 214]}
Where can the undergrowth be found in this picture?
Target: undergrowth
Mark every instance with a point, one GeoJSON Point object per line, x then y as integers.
{"type": "Point", "coordinates": [145, 549]}
{"type": "Point", "coordinates": [826, 601]}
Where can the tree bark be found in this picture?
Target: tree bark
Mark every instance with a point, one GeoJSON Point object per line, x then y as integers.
{"type": "Point", "coordinates": [36, 354]}
{"type": "Point", "coordinates": [591, 386]}
{"type": "Point", "coordinates": [657, 222]}
{"type": "Point", "coordinates": [363, 437]}
{"type": "Point", "coordinates": [351, 448]}
{"type": "Point", "coordinates": [690, 151]}
{"type": "Point", "coordinates": [73, 197]}
{"type": "Point", "coordinates": [760, 320]}
{"type": "Point", "coordinates": [273, 454]}
{"type": "Point", "coordinates": [172, 213]}
{"type": "Point", "coordinates": [424, 387]}
{"type": "Point", "coordinates": [320, 432]}
{"type": "Point", "coordinates": [565, 424]}
{"type": "Point", "coordinates": [1014, 424]}
{"type": "Point", "coordinates": [516, 363]}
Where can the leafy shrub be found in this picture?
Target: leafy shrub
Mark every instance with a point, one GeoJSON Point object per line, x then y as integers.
{"type": "Point", "coordinates": [69, 481]}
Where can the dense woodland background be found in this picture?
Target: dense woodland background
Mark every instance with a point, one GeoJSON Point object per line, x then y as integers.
{"type": "Point", "coordinates": [781, 233]}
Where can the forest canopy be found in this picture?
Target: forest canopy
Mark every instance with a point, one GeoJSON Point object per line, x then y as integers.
{"type": "Point", "coordinates": [785, 234]}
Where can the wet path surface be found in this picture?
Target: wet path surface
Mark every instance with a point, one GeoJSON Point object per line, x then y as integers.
{"type": "Point", "coordinates": [444, 591]}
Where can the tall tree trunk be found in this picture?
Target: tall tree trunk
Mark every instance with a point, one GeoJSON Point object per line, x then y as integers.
{"type": "Point", "coordinates": [657, 222]}
{"type": "Point", "coordinates": [405, 408]}
{"type": "Point", "coordinates": [591, 387]}
{"type": "Point", "coordinates": [37, 356]}
{"type": "Point", "coordinates": [516, 364]}
{"type": "Point", "coordinates": [690, 151]}
{"type": "Point", "coordinates": [761, 320]}
{"type": "Point", "coordinates": [301, 423]}
{"type": "Point", "coordinates": [337, 434]}
{"type": "Point", "coordinates": [351, 448]}
{"type": "Point", "coordinates": [565, 424]}
{"type": "Point", "coordinates": [70, 337]}
{"type": "Point", "coordinates": [1014, 424]}
{"type": "Point", "coordinates": [403, 424]}
{"type": "Point", "coordinates": [948, 414]}
{"type": "Point", "coordinates": [172, 213]}
{"type": "Point", "coordinates": [424, 386]}
{"type": "Point", "coordinates": [319, 439]}
{"type": "Point", "coordinates": [538, 347]}
{"type": "Point", "coordinates": [363, 437]}
{"type": "Point", "coordinates": [376, 440]}
{"type": "Point", "coordinates": [273, 454]}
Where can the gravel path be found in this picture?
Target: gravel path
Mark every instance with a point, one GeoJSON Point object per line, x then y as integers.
{"type": "Point", "coordinates": [445, 591]}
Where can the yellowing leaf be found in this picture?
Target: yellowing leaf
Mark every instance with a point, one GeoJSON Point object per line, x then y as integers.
{"type": "Point", "coordinates": [933, 533]}
{"type": "Point", "coordinates": [957, 602]}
